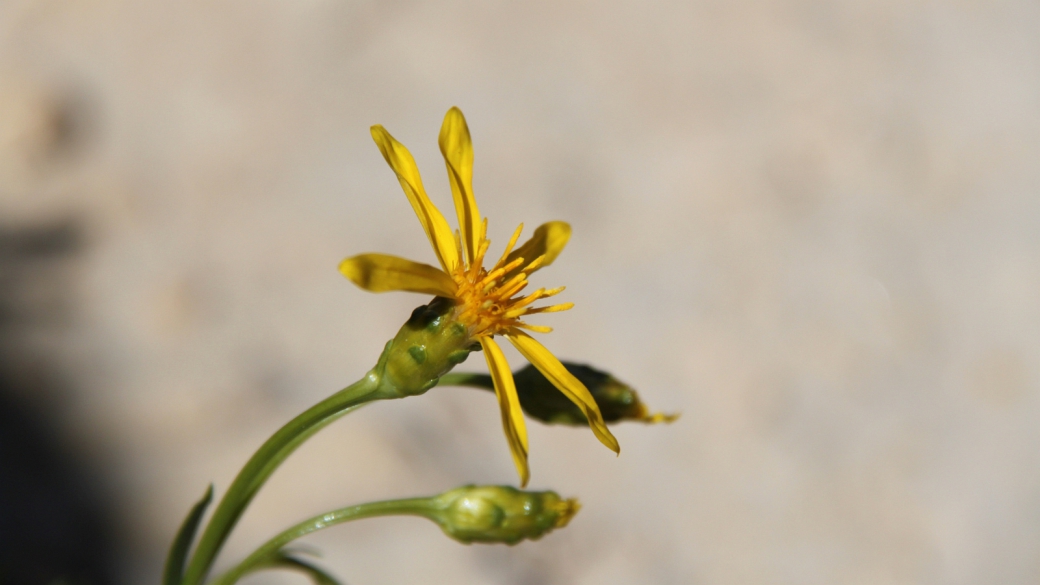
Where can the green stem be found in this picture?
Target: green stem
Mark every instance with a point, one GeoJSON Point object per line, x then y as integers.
{"type": "Point", "coordinates": [466, 379]}
{"type": "Point", "coordinates": [263, 463]}
{"type": "Point", "coordinates": [412, 506]}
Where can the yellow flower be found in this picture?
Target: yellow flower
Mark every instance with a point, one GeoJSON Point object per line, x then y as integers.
{"type": "Point", "coordinates": [487, 301]}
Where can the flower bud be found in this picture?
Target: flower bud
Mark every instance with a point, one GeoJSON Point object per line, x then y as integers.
{"type": "Point", "coordinates": [501, 514]}
{"type": "Point", "coordinates": [616, 400]}
{"type": "Point", "coordinates": [426, 347]}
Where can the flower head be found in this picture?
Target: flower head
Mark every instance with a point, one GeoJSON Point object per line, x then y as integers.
{"type": "Point", "coordinates": [488, 301]}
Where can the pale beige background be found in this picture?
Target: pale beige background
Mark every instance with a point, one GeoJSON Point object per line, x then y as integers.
{"type": "Point", "coordinates": [813, 227]}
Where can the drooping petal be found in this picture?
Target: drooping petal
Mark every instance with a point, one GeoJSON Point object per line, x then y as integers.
{"type": "Point", "coordinates": [436, 227]}
{"type": "Point", "coordinates": [572, 388]}
{"type": "Point", "coordinates": [457, 149]}
{"type": "Point", "coordinates": [509, 403]}
{"type": "Point", "coordinates": [547, 242]}
{"type": "Point", "coordinates": [382, 272]}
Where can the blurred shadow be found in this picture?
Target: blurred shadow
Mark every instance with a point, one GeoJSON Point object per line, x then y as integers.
{"type": "Point", "coordinates": [54, 527]}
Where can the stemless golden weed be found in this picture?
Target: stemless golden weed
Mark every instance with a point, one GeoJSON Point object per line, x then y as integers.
{"type": "Point", "coordinates": [486, 300]}
{"type": "Point", "coordinates": [473, 302]}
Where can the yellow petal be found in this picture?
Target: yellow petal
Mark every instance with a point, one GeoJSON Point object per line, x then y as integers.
{"type": "Point", "coordinates": [457, 149]}
{"type": "Point", "coordinates": [548, 241]}
{"type": "Point", "coordinates": [436, 227]}
{"type": "Point", "coordinates": [382, 272]}
{"type": "Point", "coordinates": [572, 388]}
{"type": "Point", "coordinates": [509, 403]}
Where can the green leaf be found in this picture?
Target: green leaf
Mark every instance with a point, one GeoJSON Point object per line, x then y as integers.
{"type": "Point", "coordinates": [174, 572]}
{"type": "Point", "coordinates": [284, 560]}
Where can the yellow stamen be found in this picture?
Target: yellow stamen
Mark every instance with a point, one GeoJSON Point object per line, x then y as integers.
{"type": "Point", "coordinates": [458, 243]}
{"type": "Point", "coordinates": [474, 270]}
{"type": "Point", "coordinates": [523, 302]}
{"type": "Point", "coordinates": [509, 246]}
{"type": "Point", "coordinates": [535, 328]}
{"type": "Point", "coordinates": [553, 292]}
{"type": "Point", "coordinates": [534, 264]}
{"type": "Point", "coordinates": [550, 309]}
{"type": "Point", "coordinates": [498, 272]}
{"type": "Point", "coordinates": [515, 285]}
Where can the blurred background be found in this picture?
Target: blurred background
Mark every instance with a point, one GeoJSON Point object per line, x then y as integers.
{"type": "Point", "coordinates": [812, 227]}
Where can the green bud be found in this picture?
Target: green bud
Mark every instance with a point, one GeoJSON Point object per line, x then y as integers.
{"type": "Point", "coordinates": [616, 400]}
{"type": "Point", "coordinates": [501, 514]}
{"type": "Point", "coordinates": [430, 344]}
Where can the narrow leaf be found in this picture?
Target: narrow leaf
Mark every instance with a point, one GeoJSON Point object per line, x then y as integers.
{"type": "Point", "coordinates": [283, 560]}
{"type": "Point", "coordinates": [174, 572]}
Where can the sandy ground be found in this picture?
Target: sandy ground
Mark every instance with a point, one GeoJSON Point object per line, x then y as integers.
{"type": "Point", "coordinates": [812, 227]}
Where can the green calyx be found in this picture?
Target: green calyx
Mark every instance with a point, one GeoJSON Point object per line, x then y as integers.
{"type": "Point", "coordinates": [426, 347]}
{"type": "Point", "coordinates": [500, 514]}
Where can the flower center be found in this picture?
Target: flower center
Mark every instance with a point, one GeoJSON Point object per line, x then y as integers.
{"type": "Point", "coordinates": [488, 301]}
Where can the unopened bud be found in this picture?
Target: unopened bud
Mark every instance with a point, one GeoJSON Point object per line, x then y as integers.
{"type": "Point", "coordinates": [616, 400]}
{"type": "Point", "coordinates": [501, 514]}
{"type": "Point", "coordinates": [426, 347]}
